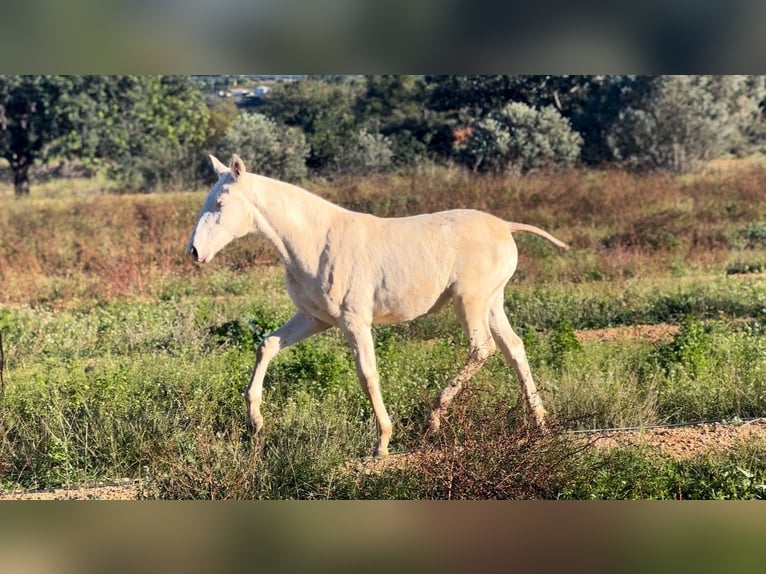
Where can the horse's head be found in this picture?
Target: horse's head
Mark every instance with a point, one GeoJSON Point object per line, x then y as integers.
{"type": "Point", "coordinates": [225, 215]}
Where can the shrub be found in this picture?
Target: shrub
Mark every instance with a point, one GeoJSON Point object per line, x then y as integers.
{"type": "Point", "coordinates": [482, 452]}
{"type": "Point", "coordinates": [520, 138]}
{"type": "Point", "coordinates": [366, 153]}
{"type": "Point", "coordinates": [267, 149]}
{"type": "Point", "coordinates": [754, 235]}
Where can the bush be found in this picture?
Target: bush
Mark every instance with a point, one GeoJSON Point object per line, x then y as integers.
{"type": "Point", "coordinates": [520, 138]}
{"type": "Point", "coordinates": [481, 452]}
{"type": "Point", "coordinates": [682, 121]}
{"type": "Point", "coordinates": [366, 153]}
{"type": "Point", "coordinates": [267, 149]}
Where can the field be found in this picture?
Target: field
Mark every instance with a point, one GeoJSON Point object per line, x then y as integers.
{"type": "Point", "coordinates": [125, 360]}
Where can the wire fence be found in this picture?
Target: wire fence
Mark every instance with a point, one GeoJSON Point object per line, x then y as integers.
{"type": "Point", "coordinates": [731, 421]}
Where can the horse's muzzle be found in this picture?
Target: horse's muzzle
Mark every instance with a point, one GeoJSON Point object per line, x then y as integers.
{"type": "Point", "coordinates": [193, 252]}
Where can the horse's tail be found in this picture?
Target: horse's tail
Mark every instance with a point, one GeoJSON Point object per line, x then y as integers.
{"type": "Point", "coordinates": [537, 231]}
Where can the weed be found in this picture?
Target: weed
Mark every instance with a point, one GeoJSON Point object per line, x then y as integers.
{"type": "Point", "coordinates": [562, 343]}
{"type": "Point", "coordinates": [754, 235]}
{"type": "Point", "coordinates": [689, 350]}
{"type": "Point", "coordinates": [484, 452]}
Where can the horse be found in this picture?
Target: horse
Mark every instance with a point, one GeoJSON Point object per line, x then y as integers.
{"type": "Point", "coordinates": [352, 270]}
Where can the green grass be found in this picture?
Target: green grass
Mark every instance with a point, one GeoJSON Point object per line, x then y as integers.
{"type": "Point", "coordinates": [153, 388]}
{"type": "Point", "coordinates": [638, 474]}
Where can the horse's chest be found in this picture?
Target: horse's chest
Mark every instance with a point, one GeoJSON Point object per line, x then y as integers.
{"type": "Point", "coordinates": [314, 297]}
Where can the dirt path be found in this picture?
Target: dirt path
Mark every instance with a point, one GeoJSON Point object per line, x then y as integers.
{"type": "Point", "coordinates": [651, 333]}
{"type": "Point", "coordinates": [126, 489]}
{"type": "Point", "coordinates": [687, 442]}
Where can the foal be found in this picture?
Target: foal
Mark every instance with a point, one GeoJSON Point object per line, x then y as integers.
{"type": "Point", "coordinates": [351, 270]}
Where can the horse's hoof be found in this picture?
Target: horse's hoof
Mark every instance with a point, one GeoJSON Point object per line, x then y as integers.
{"type": "Point", "coordinates": [434, 423]}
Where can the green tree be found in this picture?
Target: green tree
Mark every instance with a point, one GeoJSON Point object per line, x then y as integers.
{"type": "Point", "coordinates": [394, 106]}
{"type": "Point", "coordinates": [366, 153]}
{"type": "Point", "coordinates": [148, 130]}
{"type": "Point", "coordinates": [35, 112]}
{"type": "Point", "coordinates": [596, 109]}
{"type": "Point", "coordinates": [463, 100]}
{"type": "Point", "coordinates": [325, 113]}
{"type": "Point", "coordinates": [267, 148]}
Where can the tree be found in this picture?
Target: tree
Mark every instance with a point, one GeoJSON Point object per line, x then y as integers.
{"type": "Point", "coordinates": [35, 111]}
{"type": "Point", "coordinates": [325, 113]}
{"type": "Point", "coordinates": [678, 122]}
{"type": "Point", "coordinates": [597, 109]}
{"type": "Point", "coordinates": [267, 148]}
{"type": "Point", "coordinates": [394, 106]}
{"type": "Point", "coordinates": [463, 100]}
{"type": "Point", "coordinates": [519, 138]}
{"type": "Point", "coordinates": [149, 130]}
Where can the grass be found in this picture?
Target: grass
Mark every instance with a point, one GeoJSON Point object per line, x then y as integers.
{"type": "Point", "coordinates": [125, 359]}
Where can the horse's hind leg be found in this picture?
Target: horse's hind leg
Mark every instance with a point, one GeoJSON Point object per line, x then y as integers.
{"type": "Point", "coordinates": [474, 318]}
{"type": "Point", "coordinates": [513, 349]}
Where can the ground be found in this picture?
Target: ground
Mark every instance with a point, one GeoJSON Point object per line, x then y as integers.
{"type": "Point", "coordinates": [126, 489]}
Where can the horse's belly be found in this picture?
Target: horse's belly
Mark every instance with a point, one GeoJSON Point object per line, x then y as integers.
{"type": "Point", "coordinates": [408, 306]}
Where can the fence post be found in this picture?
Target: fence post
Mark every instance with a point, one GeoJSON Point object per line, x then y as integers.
{"type": "Point", "coordinates": [2, 367]}
{"type": "Point", "coordinates": [2, 390]}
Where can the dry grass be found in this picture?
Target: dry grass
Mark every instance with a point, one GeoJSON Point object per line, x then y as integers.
{"type": "Point", "coordinates": [101, 246]}
{"type": "Point", "coordinates": [483, 453]}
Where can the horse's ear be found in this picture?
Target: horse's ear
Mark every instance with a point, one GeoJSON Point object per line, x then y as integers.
{"type": "Point", "coordinates": [218, 166]}
{"type": "Point", "coordinates": [237, 166]}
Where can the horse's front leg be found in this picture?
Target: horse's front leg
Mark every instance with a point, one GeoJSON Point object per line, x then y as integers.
{"type": "Point", "coordinates": [299, 327]}
{"type": "Point", "coordinates": [360, 337]}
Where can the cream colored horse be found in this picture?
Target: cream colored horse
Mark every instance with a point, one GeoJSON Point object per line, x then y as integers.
{"type": "Point", "coordinates": [352, 270]}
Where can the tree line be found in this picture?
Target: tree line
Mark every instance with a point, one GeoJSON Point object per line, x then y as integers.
{"type": "Point", "coordinates": [149, 132]}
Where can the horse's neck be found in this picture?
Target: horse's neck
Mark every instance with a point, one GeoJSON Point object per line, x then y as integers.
{"type": "Point", "coordinates": [292, 219]}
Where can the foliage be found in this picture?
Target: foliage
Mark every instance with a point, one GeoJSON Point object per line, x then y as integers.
{"type": "Point", "coordinates": [323, 111]}
{"type": "Point", "coordinates": [267, 148]}
{"type": "Point", "coordinates": [519, 139]}
{"type": "Point", "coordinates": [637, 473]}
{"type": "Point", "coordinates": [473, 97]}
{"type": "Point", "coordinates": [148, 129]}
{"type": "Point", "coordinates": [35, 111]}
{"type": "Point", "coordinates": [679, 121]}
{"type": "Point", "coordinates": [394, 106]}
{"type": "Point", "coordinates": [366, 153]}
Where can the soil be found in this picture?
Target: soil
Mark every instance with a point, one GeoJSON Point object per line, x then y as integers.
{"type": "Point", "coordinates": [651, 333]}
{"type": "Point", "coordinates": [126, 489]}
{"type": "Point", "coordinates": [687, 441]}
